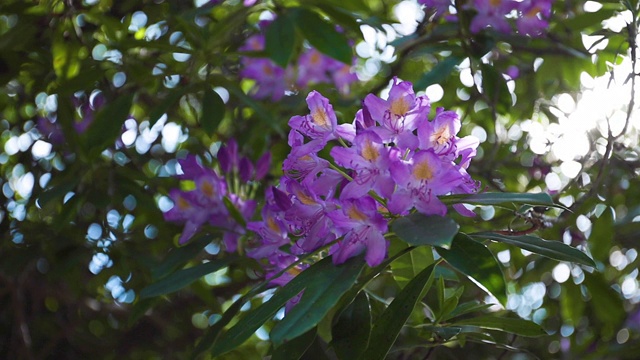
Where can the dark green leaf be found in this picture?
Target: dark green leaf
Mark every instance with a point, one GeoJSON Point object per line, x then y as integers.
{"type": "Point", "coordinates": [409, 265]}
{"type": "Point", "coordinates": [280, 40]}
{"type": "Point", "coordinates": [605, 302]}
{"type": "Point", "coordinates": [494, 87]}
{"type": "Point", "coordinates": [212, 111]}
{"type": "Point", "coordinates": [489, 198]}
{"type": "Point", "coordinates": [466, 308]}
{"type": "Point", "coordinates": [57, 192]}
{"type": "Point", "coordinates": [182, 278]}
{"type": "Point", "coordinates": [478, 263]}
{"type": "Point", "coordinates": [601, 235]}
{"type": "Point", "coordinates": [178, 257]}
{"type": "Point", "coordinates": [235, 213]}
{"type": "Point", "coordinates": [295, 349]}
{"type": "Point", "coordinates": [418, 229]}
{"type": "Point", "coordinates": [167, 103]}
{"type": "Point", "coordinates": [572, 303]}
{"type": "Point", "coordinates": [323, 35]}
{"type": "Point", "coordinates": [321, 294]}
{"type": "Point", "coordinates": [246, 326]}
{"type": "Point", "coordinates": [351, 331]}
{"type": "Point", "coordinates": [108, 123]}
{"type": "Point", "coordinates": [587, 19]}
{"type": "Point", "coordinates": [444, 332]}
{"type": "Point", "coordinates": [438, 73]}
{"type": "Point", "coordinates": [510, 325]}
{"type": "Point", "coordinates": [340, 15]}
{"type": "Point", "coordinates": [387, 327]}
{"type": "Point", "coordinates": [552, 249]}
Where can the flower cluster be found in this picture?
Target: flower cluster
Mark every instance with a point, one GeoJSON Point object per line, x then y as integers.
{"type": "Point", "coordinates": [390, 160]}
{"type": "Point", "coordinates": [313, 67]}
{"type": "Point", "coordinates": [211, 195]}
{"type": "Point", "coordinates": [529, 15]}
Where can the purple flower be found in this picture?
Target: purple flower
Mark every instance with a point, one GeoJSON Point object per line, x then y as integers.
{"type": "Point", "coordinates": [531, 22]}
{"type": "Point", "coordinates": [186, 209]}
{"type": "Point", "coordinates": [399, 115]}
{"type": "Point", "coordinates": [420, 179]}
{"type": "Point", "coordinates": [362, 228]}
{"type": "Point", "coordinates": [312, 68]}
{"type": "Point", "coordinates": [321, 123]}
{"type": "Point", "coordinates": [228, 157]}
{"type": "Point", "coordinates": [50, 130]}
{"type": "Point", "coordinates": [369, 159]}
{"type": "Point", "coordinates": [440, 134]}
{"type": "Point", "coordinates": [307, 216]}
{"type": "Point", "coordinates": [491, 13]}
{"type": "Point", "coordinates": [262, 166]}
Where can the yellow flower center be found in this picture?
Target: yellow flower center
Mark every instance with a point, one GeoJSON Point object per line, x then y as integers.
{"type": "Point", "coordinates": [356, 214]}
{"type": "Point", "coordinates": [399, 107]}
{"type": "Point", "coordinates": [304, 198]}
{"type": "Point", "coordinates": [369, 152]}
{"type": "Point", "coordinates": [271, 223]}
{"type": "Point", "coordinates": [183, 204]}
{"type": "Point", "coordinates": [441, 136]}
{"type": "Point", "coordinates": [422, 171]}
{"type": "Point", "coordinates": [320, 118]}
{"type": "Point", "coordinates": [208, 189]}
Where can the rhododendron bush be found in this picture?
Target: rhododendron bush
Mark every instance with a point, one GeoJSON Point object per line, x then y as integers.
{"type": "Point", "coordinates": [319, 179]}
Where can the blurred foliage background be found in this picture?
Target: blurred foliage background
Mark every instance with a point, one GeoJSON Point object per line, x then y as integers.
{"type": "Point", "coordinates": [99, 98]}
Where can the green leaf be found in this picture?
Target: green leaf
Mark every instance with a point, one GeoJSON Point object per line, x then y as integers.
{"type": "Point", "coordinates": [321, 294]}
{"type": "Point", "coordinates": [510, 325]}
{"type": "Point", "coordinates": [235, 213]}
{"type": "Point", "coordinates": [57, 191]}
{"type": "Point", "coordinates": [167, 103]}
{"type": "Point", "coordinates": [340, 15]}
{"type": "Point", "coordinates": [322, 35]}
{"type": "Point", "coordinates": [212, 111]}
{"type": "Point", "coordinates": [438, 73]}
{"type": "Point", "coordinates": [280, 40]}
{"type": "Point", "coordinates": [466, 308]}
{"type": "Point", "coordinates": [419, 229]}
{"type": "Point", "coordinates": [572, 303]}
{"type": "Point", "coordinates": [478, 263]}
{"type": "Point", "coordinates": [445, 332]}
{"type": "Point", "coordinates": [108, 123]}
{"type": "Point", "coordinates": [491, 198]}
{"type": "Point", "coordinates": [255, 318]}
{"type": "Point", "coordinates": [601, 236]}
{"type": "Point", "coordinates": [179, 256]}
{"type": "Point", "coordinates": [409, 265]}
{"type": "Point", "coordinates": [295, 349]}
{"type": "Point", "coordinates": [182, 278]}
{"type": "Point", "coordinates": [387, 327]}
{"type": "Point", "coordinates": [494, 87]}
{"type": "Point", "coordinates": [606, 303]}
{"type": "Point", "coordinates": [351, 331]}
{"type": "Point", "coordinates": [587, 19]}
{"type": "Point", "coordinates": [551, 249]}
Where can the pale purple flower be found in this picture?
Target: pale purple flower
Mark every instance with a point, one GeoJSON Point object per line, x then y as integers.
{"type": "Point", "coordinates": [440, 134]}
{"type": "Point", "coordinates": [399, 115]}
{"type": "Point", "coordinates": [369, 159]}
{"type": "Point", "coordinates": [491, 13]}
{"type": "Point", "coordinates": [531, 16]}
{"type": "Point", "coordinates": [420, 179]}
{"type": "Point", "coordinates": [362, 229]}
{"type": "Point", "coordinates": [321, 123]}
